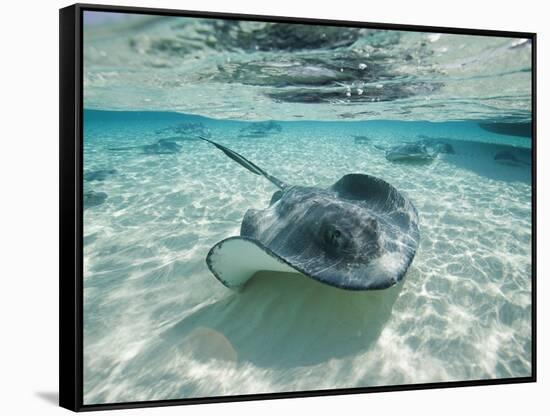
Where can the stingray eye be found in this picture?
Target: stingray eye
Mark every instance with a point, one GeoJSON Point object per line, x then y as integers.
{"type": "Point", "coordinates": [333, 237]}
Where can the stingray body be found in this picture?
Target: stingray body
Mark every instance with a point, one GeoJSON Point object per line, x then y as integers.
{"type": "Point", "coordinates": [409, 152]}
{"type": "Point", "coordinates": [261, 129]}
{"type": "Point", "coordinates": [506, 157]}
{"type": "Point", "coordinates": [358, 234]}
{"type": "Point", "coordinates": [361, 140]}
{"type": "Point", "coordinates": [161, 147]}
{"type": "Point", "coordinates": [442, 147]}
{"type": "Point", "coordinates": [93, 199]}
{"type": "Point", "coordinates": [191, 128]}
{"type": "Point", "coordinates": [99, 175]}
{"type": "Point", "coordinates": [437, 145]}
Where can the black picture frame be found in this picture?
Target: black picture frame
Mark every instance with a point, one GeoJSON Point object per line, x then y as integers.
{"type": "Point", "coordinates": [71, 207]}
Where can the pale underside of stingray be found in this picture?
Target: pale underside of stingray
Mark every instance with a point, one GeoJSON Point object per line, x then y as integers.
{"type": "Point", "coordinates": [358, 234]}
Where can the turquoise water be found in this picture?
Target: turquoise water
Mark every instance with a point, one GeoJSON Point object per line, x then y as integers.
{"type": "Point", "coordinates": [158, 325]}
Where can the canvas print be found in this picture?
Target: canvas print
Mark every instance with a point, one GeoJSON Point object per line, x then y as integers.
{"type": "Point", "coordinates": [280, 207]}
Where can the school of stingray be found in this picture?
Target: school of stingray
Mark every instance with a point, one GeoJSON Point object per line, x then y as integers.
{"type": "Point", "coordinates": [361, 233]}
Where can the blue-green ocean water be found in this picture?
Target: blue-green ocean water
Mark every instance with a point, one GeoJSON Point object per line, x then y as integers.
{"type": "Point", "coordinates": [158, 325]}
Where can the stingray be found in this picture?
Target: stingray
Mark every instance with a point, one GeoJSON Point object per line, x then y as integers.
{"type": "Point", "coordinates": [189, 138]}
{"type": "Point", "coordinates": [358, 234]}
{"type": "Point", "coordinates": [361, 139]}
{"type": "Point", "coordinates": [506, 157]}
{"type": "Point", "coordinates": [186, 129]}
{"type": "Point", "coordinates": [437, 145]}
{"type": "Point", "coordinates": [261, 129]}
{"type": "Point", "coordinates": [408, 152]}
{"type": "Point", "coordinates": [442, 147]}
{"type": "Point", "coordinates": [99, 175]}
{"type": "Point", "coordinates": [161, 147]}
{"type": "Point", "coordinates": [93, 198]}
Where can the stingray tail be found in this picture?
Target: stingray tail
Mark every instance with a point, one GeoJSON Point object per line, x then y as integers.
{"type": "Point", "coordinates": [246, 163]}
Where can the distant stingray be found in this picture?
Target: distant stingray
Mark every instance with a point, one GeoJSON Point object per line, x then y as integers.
{"type": "Point", "coordinates": [261, 129]}
{"type": "Point", "coordinates": [441, 148]}
{"type": "Point", "coordinates": [99, 175]}
{"type": "Point", "coordinates": [161, 147]}
{"type": "Point", "coordinates": [408, 152]}
{"type": "Point", "coordinates": [361, 139]}
{"type": "Point", "coordinates": [93, 198]}
{"type": "Point", "coordinates": [358, 234]}
{"type": "Point", "coordinates": [189, 128]}
{"type": "Point", "coordinates": [506, 157]}
{"type": "Point", "coordinates": [437, 144]}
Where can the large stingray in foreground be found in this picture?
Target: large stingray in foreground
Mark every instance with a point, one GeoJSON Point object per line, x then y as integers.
{"type": "Point", "coordinates": [358, 234]}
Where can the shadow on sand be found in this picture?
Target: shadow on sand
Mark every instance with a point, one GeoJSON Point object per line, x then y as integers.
{"type": "Point", "coordinates": [285, 320]}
